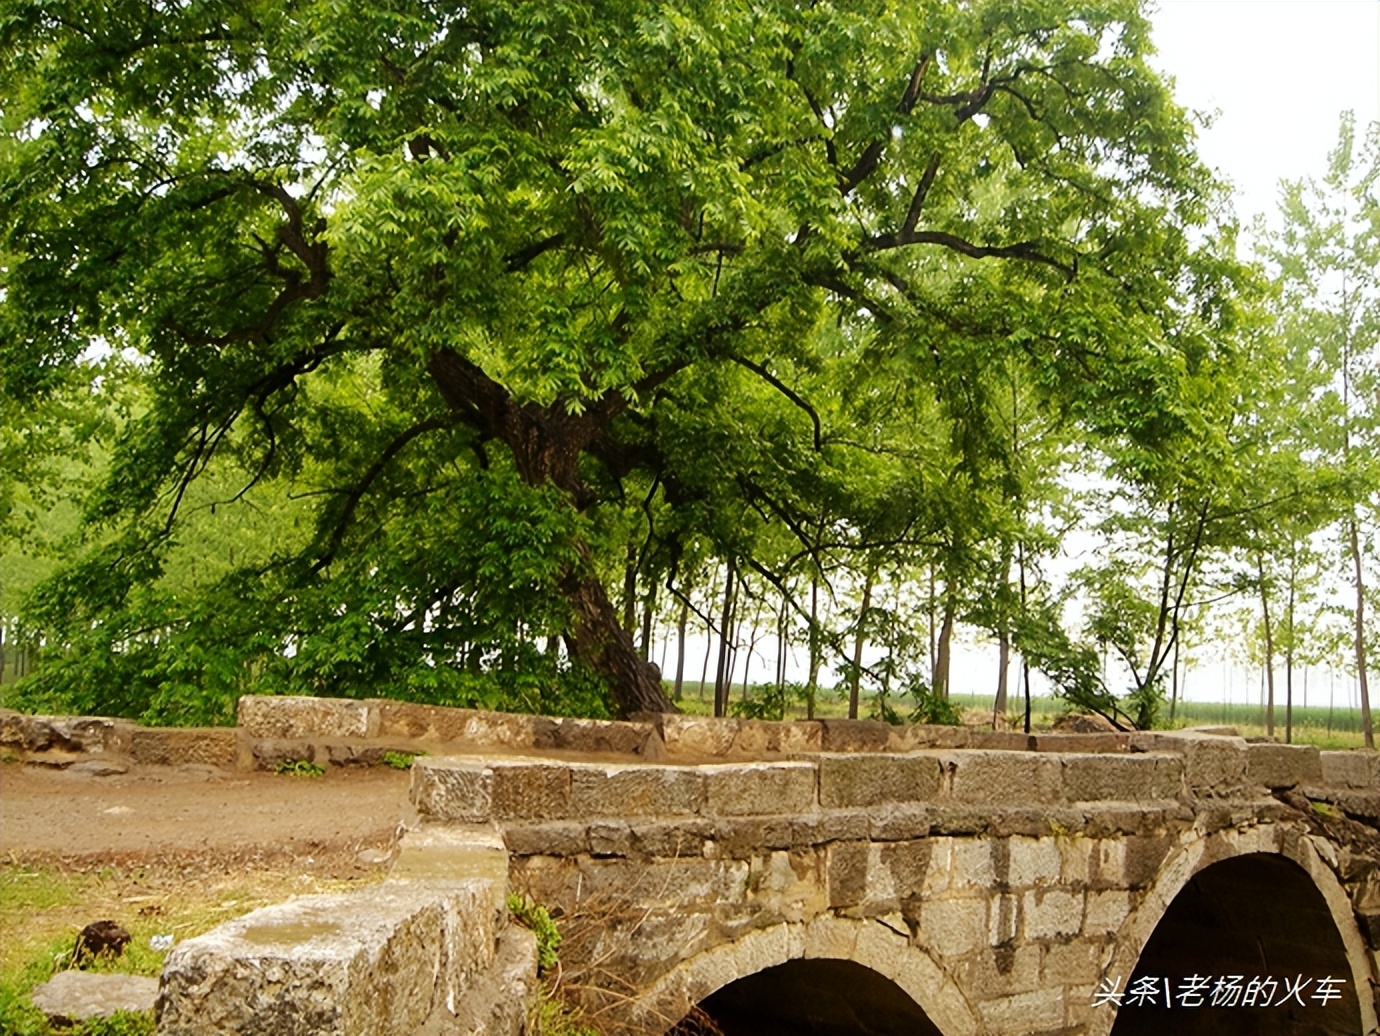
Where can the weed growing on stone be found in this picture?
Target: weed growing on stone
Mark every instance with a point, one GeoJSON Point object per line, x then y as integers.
{"type": "Point", "coordinates": [536, 917]}
{"type": "Point", "coordinates": [400, 760]}
{"type": "Point", "coordinates": [300, 768]}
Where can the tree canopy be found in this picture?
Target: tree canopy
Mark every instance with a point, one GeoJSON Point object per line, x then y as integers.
{"type": "Point", "coordinates": [427, 325]}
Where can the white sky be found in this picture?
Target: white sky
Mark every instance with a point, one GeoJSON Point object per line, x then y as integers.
{"type": "Point", "coordinates": [1279, 73]}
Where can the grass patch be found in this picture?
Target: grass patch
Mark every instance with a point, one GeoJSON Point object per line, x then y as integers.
{"type": "Point", "coordinates": [400, 760]}
{"type": "Point", "coordinates": [300, 768]}
{"type": "Point", "coordinates": [43, 908]}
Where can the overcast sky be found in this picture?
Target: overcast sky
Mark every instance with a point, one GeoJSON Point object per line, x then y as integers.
{"type": "Point", "coordinates": [1279, 73]}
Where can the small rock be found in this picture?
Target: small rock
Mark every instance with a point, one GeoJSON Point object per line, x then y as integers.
{"type": "Point", "coordinates": [99, 767]}
{"type": "Point", "coordinates": [54, 759]}
{"type": "Point", "coordinates": [74, 996]}
{"type": "Point", "coordinates": [117, 811]}
{"type": "Point", "coordinates": [373, 856]}
{"type": "Point", "coordinates": [99, 939]}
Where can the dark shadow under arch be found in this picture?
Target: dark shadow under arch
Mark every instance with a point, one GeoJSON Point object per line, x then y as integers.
{"type": "Point", "coordinates": [1254, 915]}
{"type": "Point", "coordinates": [818, 997]}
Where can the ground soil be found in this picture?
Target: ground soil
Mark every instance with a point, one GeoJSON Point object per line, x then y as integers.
{"type": "Point", "coordinates": [200, 820]}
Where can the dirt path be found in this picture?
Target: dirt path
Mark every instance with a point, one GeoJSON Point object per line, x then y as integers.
{"type": "Point", "coordinates": [200, 820]}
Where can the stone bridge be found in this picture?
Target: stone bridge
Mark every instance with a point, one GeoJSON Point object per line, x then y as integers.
{"type": "Point", "coordinates": [818, 877]}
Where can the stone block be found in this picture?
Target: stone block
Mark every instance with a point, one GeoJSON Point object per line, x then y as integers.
{"type": "Point", "coordinates": [1105, 912]}
{"type": "Point", "coordinates": [1354, 769]}
{"type": "Point", "coordinates": [867, 780]}
{"type": "Point", "coordinates": [1102, 744]}
{"type": "Point", "coordinates": [452, 789]}
{"type": "Point", "coordinates": [614, 790]}
{"type": "Point", "coordinates": [74, 996]}
{"type": "Point", "coordinates": [1037, 1011]}
{"type": "Point", "coordinates": [1003, 911]}
{"type": "Point", "coordinates": [1212, 762]}
{"type": "Point", "coordinates": [854, 735]}
{"type": "Point", "coordinates": [742, 789]}
{"type": "Point", "coordinates": [1283, 766]}
{"type": "Point", "coordinates": [698, 735]}
{"type": "Point", "coordinates": [176, 746]}
{"type": "Point", "coordinates": [1000, 740]}
{"type": "Point", "coordinates": [306, 717]}
{"type": "Point", "coordinates": [471, 856]}
{"type": "Point", "coordinates": [893, 822]}
{"type": "Point", "coordinates": [1128, 778]}
{"type": "Point", "coordinates": [846, 869]}
{"type": "Point", "coordinates": [556, 838]}
{"type": "Point", "coordinates": [474, 727]}
{"type": "Point", "coordinates": [953, 927]}
{"type": "Point", "coordinates": [686, 837]}
{"type": "Point", "coordinates": [973, 862]}
{"type": "Point", "coordinates": [1003, 778]}
{"type": "Point", "coordinates": [1051, 913]}
{"type": "Point", "coordinates": [370, 964]}
{"type": "Point", "coordinates": [531, 790]}
{"type": "Point", "coordinates": [1071, 963]}
{"type": "Point", "coordinates": [1030, 862]}
{"type": "Point", "coordinates": [596, 735]}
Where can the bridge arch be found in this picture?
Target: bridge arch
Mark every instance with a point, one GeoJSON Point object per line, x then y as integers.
{"type": "Point", "coordinates": [1208, 874]}
{"type": "Point", "coordinates": [864, 943]}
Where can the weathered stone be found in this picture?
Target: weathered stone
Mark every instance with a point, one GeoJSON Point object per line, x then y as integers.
{"type": "Point", "coordinates": [953, 927]}
{"type": "Point", "coordinates": [468, 856]}
{"type": "Point", "coordinates": [535, 790]}
{"type": "Point", "coordinates": [1105, 912]}
{"type": "Point", "coordinates": [741, 838]}
{"type": "Point", "coordinates": [846, 864]}
{"type": "Point", "coordinates": [610, 838]}
{"type": "Point", "coordinates": [306, 717]}
{"type": "Point", "coordinates": [1213, 763]}
{"type": "Point", "coordinates": [698, 735]}
{"type": "Point", "coordinates": [596, 735]}
{"type": "Point", "coordinates": [1354, 769]}
{"type": "Point", "coordinates": [333, 965]}
{"type": "Point", "coordinates": [465, 726]}
{"type": "Point", "coordinates": [1000, 741]}
{"type": "Point", "coordinates": [1036, 1011]}
{"type": "Point", "coordinates": [1122, 777]}
{"type": "Point", "coordinates": [270, 753]}
{"type": "Point", "coordinates": [1071, 963]}
{"type": "Point", "coordinates": [1051, 913]}
{"type": "Point", "coordinates": [74, 996]}
{"type": "Point", "coordinates": [854, 735]}
{"type": "Point", "coordinates": [1102, 744]}
{"type": "Point", "coordinates": [895, 822]}
{"type": "Point", "coordinates": [172, 746]}
{"type": "Point", "coordinates": [614, 790]}
{"type": "Point", "coordinates": [1283, 766]}
{"type": "Point", "coordinates": [867, 780]}
{"type": "Point", "coordinates": [1030, 861]}
{"type": "Point", "coordinates": [1003, 778]}
{"type": "Point", "coordinates": [496, 1002]}
{"type": "Point", "coordinates": [452, 789]}
{"type": "Point", "coordinates": [671, 837]}
{"type": "Point", "coordinates": [740, 789]}
{"type": "Point", "coordinates": [557, 838]}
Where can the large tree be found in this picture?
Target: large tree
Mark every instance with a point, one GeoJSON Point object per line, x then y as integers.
{"type": "Point", "coordinates": [534, 236]}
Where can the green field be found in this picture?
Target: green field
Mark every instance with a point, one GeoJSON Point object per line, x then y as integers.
{"type": "Point", "coordinates": [1315, 725]}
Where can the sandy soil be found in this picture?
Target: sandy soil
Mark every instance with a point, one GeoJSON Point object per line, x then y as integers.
{"type": "Point", "coordinates": [200, 820]}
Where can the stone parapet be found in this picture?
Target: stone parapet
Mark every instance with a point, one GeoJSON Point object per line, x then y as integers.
{"type": "Point", "coordinates": [519, 790]}
{"type": "Point", "coordinates": [430, 950]}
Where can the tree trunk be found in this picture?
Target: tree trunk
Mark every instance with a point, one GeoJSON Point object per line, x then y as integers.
{"type": "Point", "coordinates": [1003, 642]}
{"type": "Point", "coordinates": [946, 633]}
{"type": "Point", "coordinates": [680, 649]}
{"type": "Point", "coordinates": [855, 678]}
{"type": "Point", "coordinates": [812, 686]}
{"type": "Point", "coordinates": [546, 444]}
{"type": "Point", "coordinates": [1367, 729]}
{"type": "Point", "coordinates": [602, 642]}
{"type": "Point", "coordinates": [721, 676]}
{"type": "Point", "coordinates": [1269, 653]}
